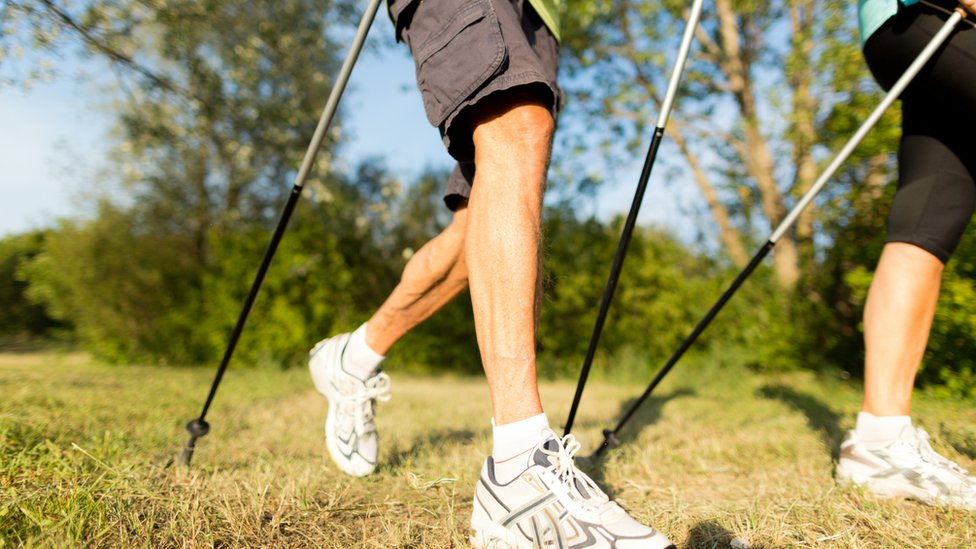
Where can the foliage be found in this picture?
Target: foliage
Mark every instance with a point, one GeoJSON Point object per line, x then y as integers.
{"type": "Point", "coordinates": [21, 319]}
{"type": "Point", "coordinates": [139, 296]}
{"type": "Point", "coordinates": [216, 101]}
{"type": "Point", "coordinates": [663, 289]}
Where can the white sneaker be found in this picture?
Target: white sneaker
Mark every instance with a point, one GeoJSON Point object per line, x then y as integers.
{"type": "Point", "coordinates": [553, 504]}
{"type": "Point", "coordinates": [350, 432]}
{"type": "Point", "coordinates": [906, 468]}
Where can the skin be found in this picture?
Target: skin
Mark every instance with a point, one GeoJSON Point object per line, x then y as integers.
{"type": "Point", "coordinates": [493, 245]}
{"type": "Point", "coordinates": [435, 275]}
{"type": "Point", "coordinates": [512, 143]}
{"type": "Point", "coordinates": [897, 319]}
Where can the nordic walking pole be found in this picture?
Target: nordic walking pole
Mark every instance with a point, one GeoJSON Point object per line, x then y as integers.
{"type": "Point", "coordinates": [609, 437]}
{"type": "Point", "coordinates": [199, 427]}
{"type": "Point", "coordinates": [618, 260]}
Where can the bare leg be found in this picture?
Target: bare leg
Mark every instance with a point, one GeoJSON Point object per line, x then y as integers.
{"type": "Point", "coordinates": [512, 143]}
{"type": "Point", "coordinates": [897, 319]}
{"type": "Point", "coordinates": [435, 275]}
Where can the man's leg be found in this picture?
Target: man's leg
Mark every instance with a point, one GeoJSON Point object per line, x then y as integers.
{"type": "Point", "coordinates": [512, 138]}
{"type": "Point", "coordinates": [345, 368]}
{"type": "Point", "coordinates": [529, 491]}
{"type": "Point", "coordinates": [435, 275]}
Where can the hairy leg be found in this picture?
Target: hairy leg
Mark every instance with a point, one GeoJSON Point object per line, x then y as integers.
{"type": "Point", "coordinates": [435, 275]}
{"type": "Point", "coordinates": [897, 319]}
{"type": "Point", "coordinates": [512, 139]}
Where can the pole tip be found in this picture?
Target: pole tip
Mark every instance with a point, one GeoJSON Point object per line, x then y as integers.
{"type": "Point", "coordinates": [610, 440]}
{"type": "Point", "coordinates": [197, 428]}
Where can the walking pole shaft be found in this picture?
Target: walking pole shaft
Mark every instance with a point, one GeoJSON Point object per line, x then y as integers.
{"type": "Point", "coordinates": [845, 152]}
{"type": "Point", "coordinates": [609, 436]}
{"type": "Point", "coordinates": [199, 426]}
{"type": "Point", "coordinates": [628, 230]}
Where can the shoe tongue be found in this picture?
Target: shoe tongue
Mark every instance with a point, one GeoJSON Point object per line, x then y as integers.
{"type": "Point", "coordinates": [546, 460]}
{"type": "Point", "coordinates": [541, 458]}
{"type": "Point", "coordinates": [908, 434]}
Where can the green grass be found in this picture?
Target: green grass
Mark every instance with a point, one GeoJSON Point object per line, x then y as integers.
{"type": "Point", "coordinates": [716, 454]}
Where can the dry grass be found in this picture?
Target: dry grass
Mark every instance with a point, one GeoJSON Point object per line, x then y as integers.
{"type": "Point", "coordinates": [716, 455]}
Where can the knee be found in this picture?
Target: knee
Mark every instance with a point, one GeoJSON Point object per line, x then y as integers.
{"type": "Point", "coordinates": [520, 118]}
{"type": "Point", "coordinates": [459, 223]}
{"type": "Point", "coordinates": [529, 124]}
{"type": "Point", "coordinates": [932, 213]}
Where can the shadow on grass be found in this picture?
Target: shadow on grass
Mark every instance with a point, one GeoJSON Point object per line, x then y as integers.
{"type": "Point", "coordinates": [648, 414]}
{"type": "Point", "coordinates": [820, 416]}
{"type": "Point", "coordinates": [399, 456]}
{"type": "Point", "coordinates": [711, 535]}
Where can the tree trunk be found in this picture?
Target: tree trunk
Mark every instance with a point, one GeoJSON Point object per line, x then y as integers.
{"type": "Point", "coordinates": [800, 71]}
{"type": "Point", "coordinates": [735, 64]}
{"type": "Point", "coordinates": [728, 235]}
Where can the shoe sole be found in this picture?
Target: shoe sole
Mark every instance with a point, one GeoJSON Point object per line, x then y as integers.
{"type": "Point", "coordinates": [487, 534]}
{"type": "Point", "coordinates": [882, 490]}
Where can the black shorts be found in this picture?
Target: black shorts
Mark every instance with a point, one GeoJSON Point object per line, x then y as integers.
{"type": "Point", "coordinates": [466, 50]}
{"type": "Point", "coordinates": [936, 193]}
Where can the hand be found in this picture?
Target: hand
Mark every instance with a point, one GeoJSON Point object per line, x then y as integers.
{"type": "Point", "coordinates": [970, 6]}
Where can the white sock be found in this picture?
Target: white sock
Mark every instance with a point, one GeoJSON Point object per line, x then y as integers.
{"type": "Point", "coordinates": [358, 358]}
{"type": "Point", "coordinates": [880, 430]}
{"type": "Point", "coordinates": [513, 444]}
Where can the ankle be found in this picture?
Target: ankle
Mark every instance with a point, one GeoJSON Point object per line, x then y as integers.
{"type": "Point", "coordinates": [512, 445]}
{"type": "Point", "coordinates": [358, 358]}
{"type": "Point", "coordinates": [875, 430]}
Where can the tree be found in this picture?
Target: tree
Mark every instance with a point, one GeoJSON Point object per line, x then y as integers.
{"type": "Point", "coordinates": [758, 110]}
{"type": "Point", "coordinates": [216, 103]}
{"type": "Point", "coordinates": [21, 319]}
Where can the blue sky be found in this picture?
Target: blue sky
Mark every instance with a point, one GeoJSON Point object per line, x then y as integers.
{"type": "Point", "coordinates": [53, 140]}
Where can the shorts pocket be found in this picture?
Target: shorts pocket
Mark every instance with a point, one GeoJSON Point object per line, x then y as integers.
{"type": "Point", "coordinates": [457, 46]}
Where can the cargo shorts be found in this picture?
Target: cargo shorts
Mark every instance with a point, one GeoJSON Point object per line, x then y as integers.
{"type": "Point", "coordinates": [466, 50]}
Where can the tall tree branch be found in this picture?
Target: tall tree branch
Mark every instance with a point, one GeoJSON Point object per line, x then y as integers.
{"type": "Point", "coordinates": [735, 64]}
{"type": "Point", "coordinates": [99, 44]}
{"type": "Point", "coordinates": [728, 234]}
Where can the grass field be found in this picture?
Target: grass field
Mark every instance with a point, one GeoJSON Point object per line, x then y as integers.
{"type": "Point", "coordinates": [716, 455]}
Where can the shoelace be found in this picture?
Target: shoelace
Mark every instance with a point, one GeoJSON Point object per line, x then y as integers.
{"type": "Point", "coordinates": [564, 467]}
{"type": "Point", "coordinates": [361, 402]}
{"type": "Point", "coordinates": [931, 456]}
{"type": "Point", "coordinates": [926, 460]}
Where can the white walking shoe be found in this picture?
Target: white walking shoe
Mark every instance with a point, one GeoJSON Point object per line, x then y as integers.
{"type": "Point", "coordinates": [553, 504]}
{"type": "Point", "coordinates": [350, 430]}
{"type": "Point", "coordinates": [906, 468]}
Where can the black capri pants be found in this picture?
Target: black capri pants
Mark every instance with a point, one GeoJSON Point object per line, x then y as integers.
{"type": "Point", "coordinates": [936, 193]}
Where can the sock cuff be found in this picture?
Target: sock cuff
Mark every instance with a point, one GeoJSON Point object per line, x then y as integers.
{"type": "Point", "coordinates": [515, 438]}
{"type": "Point", "coordinates": [872, 428]}
{"type": "Point", "coordinates": [359, 359]}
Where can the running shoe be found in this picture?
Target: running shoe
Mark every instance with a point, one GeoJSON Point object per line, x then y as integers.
{"type": "Point", "coordinates": [350, 429]}
{"type": "Point", "coordinates": [553, 504]}
{"type": "Point", "coordinates": [906, 468]}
